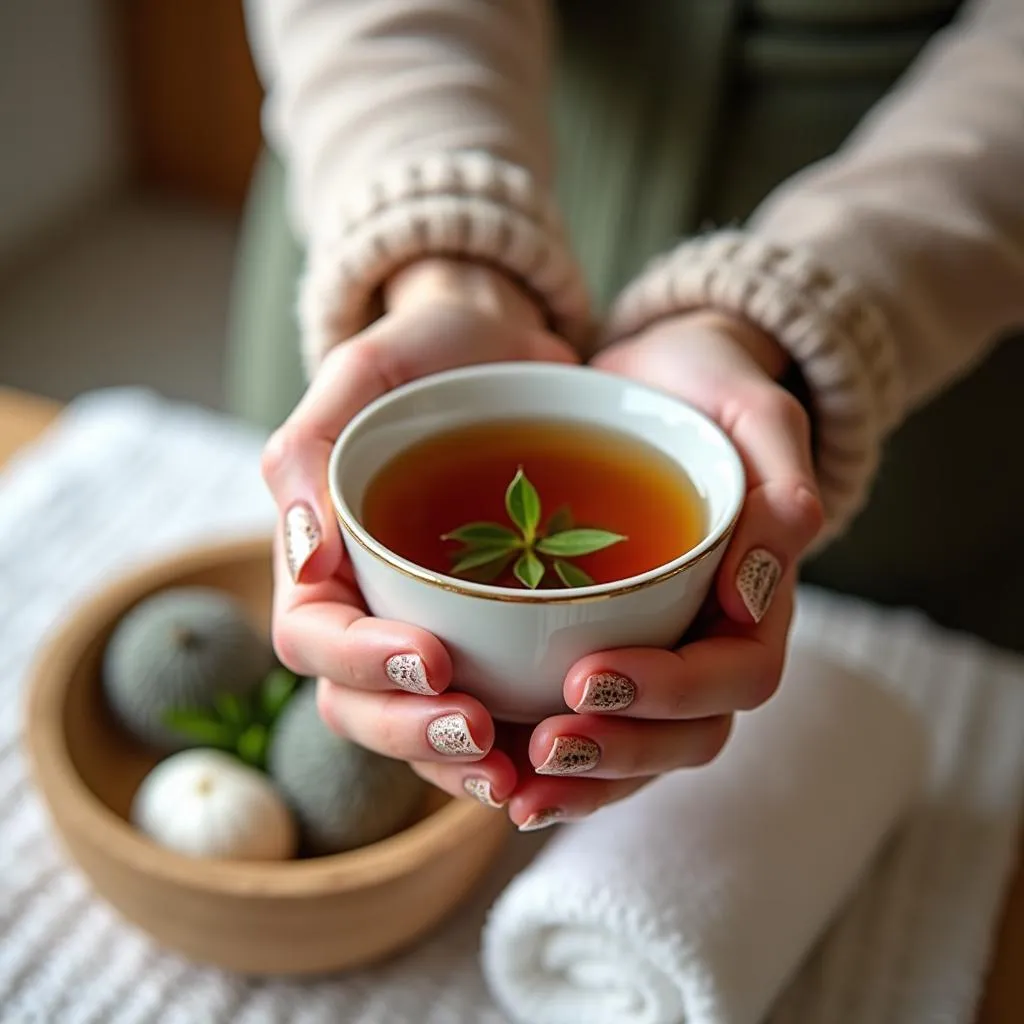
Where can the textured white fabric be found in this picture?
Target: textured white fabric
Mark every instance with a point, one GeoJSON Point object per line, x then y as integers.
{"type": "Point", "coordinates": [698, 898]}
{"type": "Point", "coordinates": [126, 476]}
{"type": "Point", "coordinates": [466, 205]}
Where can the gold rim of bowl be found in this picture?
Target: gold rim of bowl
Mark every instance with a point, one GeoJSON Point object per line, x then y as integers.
{"type": "Point", "coordinates": [352, 528]}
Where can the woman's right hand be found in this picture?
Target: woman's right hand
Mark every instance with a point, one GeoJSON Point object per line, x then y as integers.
{"type": "Point", "coordinates": [383, 684]}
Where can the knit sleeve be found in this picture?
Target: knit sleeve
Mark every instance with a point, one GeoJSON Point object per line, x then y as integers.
{"type": "Point", "coordinates": [887, 270]}
{"type": "Point", "coordinates": [413, 128]}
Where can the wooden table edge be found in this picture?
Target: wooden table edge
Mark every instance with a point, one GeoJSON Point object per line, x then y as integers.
{"type": "Point", "coordinates": [23, 418]}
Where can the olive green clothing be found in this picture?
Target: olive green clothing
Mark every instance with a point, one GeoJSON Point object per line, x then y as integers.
{"type": "Point", "coordinates": [671, 117]}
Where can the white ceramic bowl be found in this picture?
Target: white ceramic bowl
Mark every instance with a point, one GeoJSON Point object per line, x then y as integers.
{"type": "Point", "coordinates": [512, 648]}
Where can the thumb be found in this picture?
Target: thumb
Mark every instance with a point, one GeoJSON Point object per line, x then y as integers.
{"type": "Point", "coordinates": [782, 513]}
{"type": "Point", "coordinates": [355, 373]}
{"type": "Point", "coordinates": [297, 456]}
{"type": "Point", "coordinates": [294, 467]}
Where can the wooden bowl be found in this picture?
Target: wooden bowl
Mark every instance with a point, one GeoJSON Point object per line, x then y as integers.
{"type": "Point", "coordinates": [304, 916]}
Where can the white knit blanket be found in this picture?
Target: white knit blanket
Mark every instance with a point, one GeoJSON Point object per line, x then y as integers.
{"type": "Point", "coordinates": [126, 476]}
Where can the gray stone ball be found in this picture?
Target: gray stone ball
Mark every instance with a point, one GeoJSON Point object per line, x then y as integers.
{"type": "Point", "coordinates": [343, 795]}
{"type": "Point", "coordinates": [179, 649]}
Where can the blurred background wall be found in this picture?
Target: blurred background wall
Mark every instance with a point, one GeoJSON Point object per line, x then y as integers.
{"type": "Point", "coordinates": [128, 131]}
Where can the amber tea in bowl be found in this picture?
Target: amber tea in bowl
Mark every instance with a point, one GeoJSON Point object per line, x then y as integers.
{"type": "Point", "coordinates": [585, 476]}
{"type": "Point", "coordinates": [530, 514]}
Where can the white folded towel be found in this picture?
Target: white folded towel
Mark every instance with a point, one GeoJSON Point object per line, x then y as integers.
{"type": "Point", "coordinates": [695, 900]}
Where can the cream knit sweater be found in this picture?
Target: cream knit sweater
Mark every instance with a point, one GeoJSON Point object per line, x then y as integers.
{"type": "Point", "coordinates": [417, 127]}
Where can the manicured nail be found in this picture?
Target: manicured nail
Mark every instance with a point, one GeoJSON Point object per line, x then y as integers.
{"type": "Point", "coordinates": [758, 576]}
{"type": "Point", "coordinates": [481, 790]}
{"type": "Point", "coordinates": [450, 735]}
{"type": "Point", "coordinates": [301, 537]}
{"type": "Point", "coordinates": [570, 755]}
{"type": "Point", "coordinates": [606, 691]}
{"type": "Point", "coordinates": [542, 819]}
{"type": "Point", "coordinates": [408, 672]}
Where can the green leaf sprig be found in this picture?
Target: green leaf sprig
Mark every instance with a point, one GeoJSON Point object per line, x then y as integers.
{"type": "Point", "coordinates": [489, 548]}
{"type": "Point", "coordinates": [238, 725]}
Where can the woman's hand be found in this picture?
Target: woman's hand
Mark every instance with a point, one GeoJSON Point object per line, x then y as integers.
{"type": "Point", "coordinates": [383, 683]}
{"type": "Point", "coordinates": [641, 712]}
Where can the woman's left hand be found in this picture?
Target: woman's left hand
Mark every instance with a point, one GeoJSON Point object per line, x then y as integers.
{"type": "Point", "coordinates": [641, 712]}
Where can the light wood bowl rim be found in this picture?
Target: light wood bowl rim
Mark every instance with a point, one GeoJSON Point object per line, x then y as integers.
{"type": "Point", "coordinates": [76, 809]}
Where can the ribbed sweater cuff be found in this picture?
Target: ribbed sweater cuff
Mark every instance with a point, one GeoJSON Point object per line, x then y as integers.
{"type": "Point", "coordinates": [840, 339]}
{"type": "Point", "coordinates": [463, 205]}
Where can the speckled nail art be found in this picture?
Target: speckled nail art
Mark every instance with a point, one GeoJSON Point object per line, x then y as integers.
{"type": "Point", "coordinates": [450, 735]}
{"type": "Point", "coordinates": [480, 789]}
{"type": "Point", "coordinates": [408, 672]}
{"type": "Point", "coordinates": [758, 576]}
{"type": "Point", "coordinates": [301, 537]}
{"type": "Point", "coordinates": [542, 819]}
{"type": "Point", "coordinates": [607, 691]}
{"type": "Point", "coordinates": [571, 755]}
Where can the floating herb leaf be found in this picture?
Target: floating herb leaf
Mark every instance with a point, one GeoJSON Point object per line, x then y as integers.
{"type": "Point", "coordinates": [488, 548]}
{"type": "Point", "coordinates": [571, 543]}
{"type": "Point", "coordinates": [572, 575]}
{"type": "Point", "coordinates": [490, 572]}
{"type": "Point", "coordinates": [529, 570]}
{"type": "Point", "coordinates": [485, 534]}
{"type": "Point", "coordinates": [522, 502]}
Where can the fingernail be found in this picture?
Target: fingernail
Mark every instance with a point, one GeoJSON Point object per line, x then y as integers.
{"type": "Point", "coordinates": [542, 819]}
{"type": "Point", "coordinates": [607, 691]}
{"type": "Point", "coordinates": [756, 580]}
{"type": "Point", "coordinates": [408, 672]}
{"type": "Point", "coordinates": [481, 790]}
{"type": "Point", "coordinates": [570, 755]}
{"type": "Point", "coordinates": [301, 537]}
{"type": "Point", "coordinates": [450, 735]}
